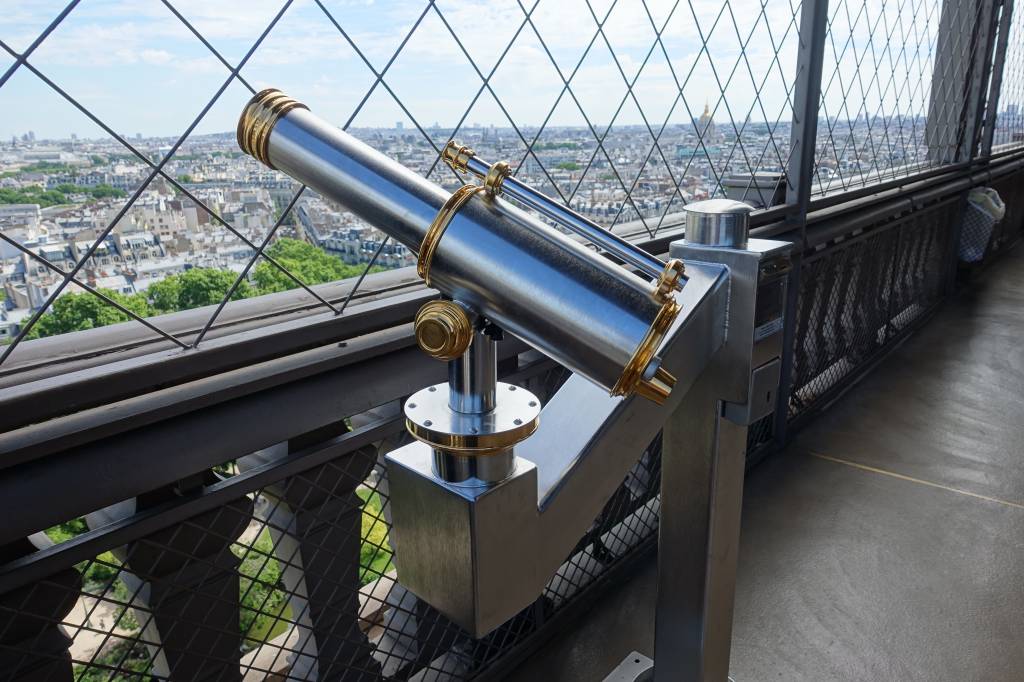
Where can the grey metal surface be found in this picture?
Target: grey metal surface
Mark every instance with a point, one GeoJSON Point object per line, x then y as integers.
{"type": "Point", "coordinates": [460, 549]}
{"type": "Point", "coordinates": [479, 566]}
{"type": "Point", "coordinates": [375, 187]}
{"type": "Point", "coordinates": [847, 574]}
{"type": "Point", "coordinates": [995, 86]}
{"type": "Point", "coordinates": [803, 130]}
{"type": "Point", "coordinates": [718, 222]}
{"type": "Point", "coordinates": [472, 377]}
{"type": "Point", "coordinates": [761, 396]}
{"type": "Point", "coordinates": [702, 484]}
{"type": "Point", "coordinates": [703, 462]}
{"type": "Point", "coordinates": [575, 306]}
{"type": "Point", "coordinates": [554, 293]}
{"type": "Point", "coordinates": [607, 240]}
{"type": "Point", "coordinates": [473, 471]}
{"type": "Point", "coordinates": [634, 668]}
{"type": "Point", "coordinates": [744, 265]}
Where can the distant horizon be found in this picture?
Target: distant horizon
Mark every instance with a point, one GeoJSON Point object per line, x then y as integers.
{"type": "Point", "coordinates": [139, 69]}
{"type": "Point", "coordinates": [723, 127]}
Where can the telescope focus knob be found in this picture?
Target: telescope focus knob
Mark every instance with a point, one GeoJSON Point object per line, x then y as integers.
{"type": "Point", "coordinates": [443, 330]}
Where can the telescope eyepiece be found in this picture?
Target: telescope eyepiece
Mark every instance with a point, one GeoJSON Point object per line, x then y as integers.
{"type": "Point", "coordinates": [258, 119]}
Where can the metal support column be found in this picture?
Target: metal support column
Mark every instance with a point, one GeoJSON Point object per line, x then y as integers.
{"type": "Point", "coordinates": [963, 57]}
{"type": "Point", "coordinates": [996, 82]}
{"type": "Point", "coordinates": [698, 536]}
{"type": "Point", "coordinates": [988, 23]}
{"type": "Point", "coordinates": [704, 452]}
{"type": "Point", "coordinates": [803, 136]}
{"type": "Point", "coordinates": [806, 102]}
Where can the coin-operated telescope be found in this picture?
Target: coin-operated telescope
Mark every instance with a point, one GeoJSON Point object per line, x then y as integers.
{"type": "Point", "coordinates": [490, 500]}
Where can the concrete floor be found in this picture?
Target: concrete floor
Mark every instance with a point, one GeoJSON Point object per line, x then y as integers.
{"type": "Point", "coordinates": [887, 543]}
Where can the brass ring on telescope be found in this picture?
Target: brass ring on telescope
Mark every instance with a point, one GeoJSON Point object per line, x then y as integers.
{"type": "Point", "coordinates": [496, 176]}
{"type": "Point", "coordinates": [668, 281]}
{"type": "Point", "coordinates": [457, 155]}
{"type": "Point", "coordinates": [440, 223]}
{"type": "Point", "coordinates": [632, 380]}
{"type": "Point", "coordinates": [258, 119]}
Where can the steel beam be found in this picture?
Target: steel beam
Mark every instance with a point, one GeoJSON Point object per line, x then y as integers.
{"type": "Point", "coordinates": [996, 82]}
{"type": "Point", "coordinates": [806, 103]}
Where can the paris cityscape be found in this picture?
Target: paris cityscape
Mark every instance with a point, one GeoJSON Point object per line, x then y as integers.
{"type": "Point", "coordinates": [197, 224]}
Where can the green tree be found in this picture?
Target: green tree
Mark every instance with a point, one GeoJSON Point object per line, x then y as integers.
{"type": "Point", "coordinates": [307, 262]}
{"type": "Point", "coordinates": [75, 312]}
{"type": "Point", "coordinates": [33, 194]}
{"type": "Point", "coordinates": [194, 288]}
{"type": "Point", "coordinates": [264, 611]}
{"type": "Point", "coordinates": [106, 192]}
{"type": "Point", "coordinates": [185, 177]}
{"type": "Point", "coordinates": [568, 165]}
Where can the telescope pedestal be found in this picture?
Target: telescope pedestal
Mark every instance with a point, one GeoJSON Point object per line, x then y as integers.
{"type": "Point", "coordinates": [473, 421]}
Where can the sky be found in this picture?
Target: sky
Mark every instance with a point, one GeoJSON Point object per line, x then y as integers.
{"type": "Point", "coordinates": [138, 68]}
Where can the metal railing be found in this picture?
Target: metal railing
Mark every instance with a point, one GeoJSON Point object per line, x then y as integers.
{"type": "Point", "coordinates": [859, 79]}
{"type": "Point", "coordinates": [221, 512]}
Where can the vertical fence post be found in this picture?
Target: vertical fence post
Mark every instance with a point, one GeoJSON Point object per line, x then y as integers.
{"type": "Point", "coordinates": [996, 83]}
{"type": "Point", "coordinates": [315, 521]}
{"type": "Point", "coordinates": [803, 132]}
{"type": "Point", "coordinates": [981, 70]}
{"type": "Point", "coordinates": [803, 148]}
{"type": "Point", "coordinates": [963, 58]}
{"type": "Point", "coordinates": [33, 646]}
{"type": "Point", "coordinates": [184, 581]}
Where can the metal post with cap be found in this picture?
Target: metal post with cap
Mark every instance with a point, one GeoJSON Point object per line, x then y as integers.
{"type": "Point", "coordinates": [704, 451]}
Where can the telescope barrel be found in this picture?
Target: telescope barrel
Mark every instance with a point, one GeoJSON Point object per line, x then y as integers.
{"type": "Point", "coordinates": [464, 159]}
{"type": "Point", "coordinates": [591, 315]}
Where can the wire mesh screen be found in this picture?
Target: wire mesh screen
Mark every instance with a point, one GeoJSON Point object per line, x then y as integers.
{"type": "Point", "coordinates": [1008, 131]}
{"type": "Point", "coordinates": [290, 580]}
{"type": "Point", "coordinates": [879, 82]}
{"type": "Point", "coordinates": [133, 199]}
{"type": "Point", "coordinates": [862, 294]}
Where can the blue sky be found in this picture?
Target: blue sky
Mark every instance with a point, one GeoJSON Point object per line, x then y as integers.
{"type": "Point", "coordinates": [135, 65]}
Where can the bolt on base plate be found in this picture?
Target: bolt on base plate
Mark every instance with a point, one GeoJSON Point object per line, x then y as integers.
{"type": "Point", "coordinates": [634, 668]}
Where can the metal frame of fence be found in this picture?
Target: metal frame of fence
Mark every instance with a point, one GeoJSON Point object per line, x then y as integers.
{"type": "Point", "coordinates": [221, 509]}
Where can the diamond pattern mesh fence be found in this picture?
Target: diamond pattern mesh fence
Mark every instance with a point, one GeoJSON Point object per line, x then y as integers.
{"type": "Point", "coordinates": [861, 295]}
{"type": "Point", "coordinates": [618, 108]}
{"type": "Point", "coordinates": [878, 82]}
{"type": "Point", "coordinates": [1008, 131]}
{"type": "Point", "coordinates": [624, 110]}
{"type": "Point", "coordinates": [291, 580]}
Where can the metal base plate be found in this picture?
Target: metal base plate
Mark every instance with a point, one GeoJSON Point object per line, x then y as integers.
{"type": "Point", "coordinates": [430, 419]}
{"type": "Point", "coordinates": [634, 668]}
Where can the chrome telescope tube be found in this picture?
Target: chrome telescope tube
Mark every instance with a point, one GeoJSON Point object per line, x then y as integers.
{"type": "Point", "coordinates": [464, 159]}
{"type": "Point", "coordinates": [594, 317]}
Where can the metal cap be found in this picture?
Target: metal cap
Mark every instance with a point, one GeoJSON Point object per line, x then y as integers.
{"type": "Point", "coordinates": [443, 330]}
{"type": "Point", "coordinates": [718, 222]}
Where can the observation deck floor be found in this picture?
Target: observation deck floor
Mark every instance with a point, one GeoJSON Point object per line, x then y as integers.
{"type": "Point", "coordinates": [887, 542]}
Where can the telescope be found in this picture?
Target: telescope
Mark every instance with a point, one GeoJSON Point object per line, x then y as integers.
{"type": "Point", "coordinates": [496, 489]}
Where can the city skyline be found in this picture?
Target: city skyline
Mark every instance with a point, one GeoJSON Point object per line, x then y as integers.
{"type": "Point", "coordinates": [141, 71]}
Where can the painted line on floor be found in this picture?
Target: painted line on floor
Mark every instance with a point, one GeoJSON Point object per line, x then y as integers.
{"type": "Point", "coordinates": [911, 479]}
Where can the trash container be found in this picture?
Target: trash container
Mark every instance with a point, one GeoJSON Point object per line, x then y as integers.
{"type": "Point", "coordinates": [984, 210]}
